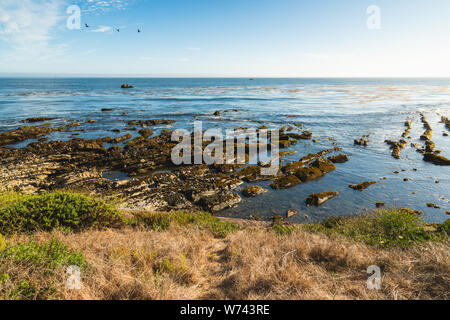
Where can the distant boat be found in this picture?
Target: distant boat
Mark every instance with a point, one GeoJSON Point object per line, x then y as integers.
{"type": "Point", "coordinates": [251, 79]}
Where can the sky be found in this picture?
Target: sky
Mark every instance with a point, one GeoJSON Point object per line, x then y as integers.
{"type": "Point", "coordinates": [227, 38]}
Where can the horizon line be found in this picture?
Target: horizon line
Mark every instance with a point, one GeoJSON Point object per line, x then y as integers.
{"type": "Point", "coordinates": [206, 76]}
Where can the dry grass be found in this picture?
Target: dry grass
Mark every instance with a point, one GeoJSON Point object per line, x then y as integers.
{"type": "Point", "coordinates": [185, 262]}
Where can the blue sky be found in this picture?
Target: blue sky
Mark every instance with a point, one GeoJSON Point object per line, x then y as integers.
{"type": "Point", "coordinates": [248, 38]}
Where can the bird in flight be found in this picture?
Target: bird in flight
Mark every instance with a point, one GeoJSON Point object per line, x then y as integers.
{"type": "Point", "coordinates": [139, 30]}
{"type": "Point", "coordinates": [118, 30]}
{"type": "Point", "coordinates": [86, 25]}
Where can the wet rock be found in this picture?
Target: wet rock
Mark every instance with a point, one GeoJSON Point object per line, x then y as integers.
{"type": "Point", "coordinates": [253, 191]}
{"type": "Point", "coordinates": [126, 86]}
{"type": "Point", "coordinates": [362, 186]}
{"type": "Point", "coordinates": [291, 167]}
{"type": "Point", "coordinates": [216, 114]}
{"type": "Point", "coordinates": [286, 182]}
{"type": "Point", "coordinates": [220, 201]}
{"type": "Point", "coordinates": [436, 159]}
{"type": "Point", "coordinates": [91, 121]}
{"type": "Point", "coordinates": [252, 174]}
{"type": "Point", "coordinates": [324, 165]}
{"type": "Point", "coordinates": [306, 174]}
{"type": "Point", "coordinates": [145, 132]}
{"type": "Point", "coordinates": [283, 144]}
{"type": "Point", "coordinates": [318, 199]}
{"type": "Point", "coordinates": [446, 122]}
{"type": "Point", "coordinates": [121, 139]}
{"type": "Point", "coordinates": [37, 119]}
{"type": "Point", "coordinates": [30, 132]}
{"type": "Point", "coordinates": [396, 147]}
{"type": "Point", "coordinates": [341, 158]}
{"type": "Point", "coordinates": [309, 158]}
{"type": "Point", "coordinates": [412, 211]}
{"type": "Point", "coordinates": [305, 135]}
{"type": "Point", "coordinates": [429, 146]}
{"type": "Point", "coordinates": [447, 212]}
{"type": "Point", "coordinates": [432, 205]}
{"type": "Point", "coordinates": [445, 134]}
{"type": "Point", "coordinates": [115, 130]}
{"type": "Point", "coordinates": [379, 204]}
{"type": "Point", "coordinates": [427, 135]}
{"type": "Point", "coordinates": [290, 213]}
{"type": "Point", "coordinates": [107, 109]}
{"type": "Point", "coordinates": [149, 123]}
{"type": "Point", "coordinates": [363, 141]}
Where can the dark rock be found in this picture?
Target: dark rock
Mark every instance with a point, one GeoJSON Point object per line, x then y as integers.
{"type": "Point", "coordinates": [436, 159]}
{"type": "Point", "coordinates": [317, 199]}
{"type": "Point", "coordinates": [363, 141]}
{"type": "Point", "coordinates": [306, 174]}
{"type": "Point", "coordinates": [324, 165]}
{"type": "Point", "coordinates": [107, 109]}
{"type": "Point", "coordinates": [432, 205]}
{"type": "Point", "coordinates": [362, 186]}
{"type": "Point", "coordinates": [380, 204]}
{"type": "Point", "coordinates": [341, 158]}
{"type": "Point", "coordinates": [145, 132]}
{"type": "Point", "coordinates": [217, 113]}
{"type": "Point", "coordinates": [149, 123]}
{"type": "Point", "coordinates": [126, 86]}
{"type": "Point", "coordinates": [252, 174]}
{"type": "Point", "coordinates": [37, 119]}
{"type": "Point", "coordinates": [396, 147]}
{"type": "Point", "coordinates": [290, 213]}
{"type": "Point", "coordinates": [286, 182]}
{"type": "Point", "coordinates": [253, 191]}
{"type": "Point", "coordinates": [30, 132]}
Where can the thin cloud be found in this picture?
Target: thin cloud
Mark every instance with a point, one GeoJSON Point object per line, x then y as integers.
{"type": "Point", "coordinates": [25, 22]}
{"type": "Point", "coordinates": [102, 29]}
{"type": "Point", "coordinates": [26, 26]}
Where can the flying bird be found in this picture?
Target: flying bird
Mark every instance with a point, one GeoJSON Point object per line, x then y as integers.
{"type": "Point", "coordinates": [86, 25]}
{"type": "Point", "coordinates": [118, 30]}
{"type": "Point", "coordinates": [139, 30]}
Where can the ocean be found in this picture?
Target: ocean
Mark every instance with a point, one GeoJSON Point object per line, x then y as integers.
{"type": "Point", "coordinates": [334, 110]}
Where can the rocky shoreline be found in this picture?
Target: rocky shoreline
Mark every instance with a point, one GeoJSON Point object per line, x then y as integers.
{"type": "Point", "coordinates": [153, 182]}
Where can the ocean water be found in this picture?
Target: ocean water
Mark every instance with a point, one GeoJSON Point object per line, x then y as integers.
{"type": "Point", "coordinates": [343, 109]}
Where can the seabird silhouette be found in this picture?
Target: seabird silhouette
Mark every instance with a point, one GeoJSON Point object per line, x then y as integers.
{"type": "Point", "coordinates": [139, 30]}
{"type": "Point", "coordinates": [86, 25]}
{"type": "Point", "coordinates": [118, 30]}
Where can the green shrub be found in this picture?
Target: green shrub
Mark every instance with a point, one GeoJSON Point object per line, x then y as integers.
{"type": "Point", "coordinates": [58, 210]}
{"type": "Point", "coordinates": [283, 229]}
{"type": "Point", "coordinates": [383, 227]}
{"type": "Point", "coordinates": [445, 227]}
{"type": "Point", "coordinates": [49, 255]}
{"type": "Point", "coordinates": [40, 262]}
{"type": "Point", "coordinates": [8, 197]}
{"type": "Point", "coordinates": [203, 220]}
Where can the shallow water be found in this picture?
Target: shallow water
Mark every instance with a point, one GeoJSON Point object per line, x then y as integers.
{"type": "Point", "coordinates": [343, 109]}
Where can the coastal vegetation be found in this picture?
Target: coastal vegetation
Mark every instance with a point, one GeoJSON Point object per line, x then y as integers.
{"type": "Point", "coordinates": [194, 255]}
